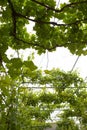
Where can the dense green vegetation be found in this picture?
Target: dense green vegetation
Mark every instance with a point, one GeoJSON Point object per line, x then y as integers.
{"type": "Point", "coordinates": [24, 107]}
{"type": "Point", "coordinates": [29, 96]}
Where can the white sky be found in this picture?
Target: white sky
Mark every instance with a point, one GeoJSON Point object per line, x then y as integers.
{"type": "Point", "coordinates": [62, 59]}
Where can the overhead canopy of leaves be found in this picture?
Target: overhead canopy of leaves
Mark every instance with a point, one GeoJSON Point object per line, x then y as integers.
{"type": "Point", "coordinates": [69, 28]}
{"type": "Point", "coordinates": [54, 26]}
